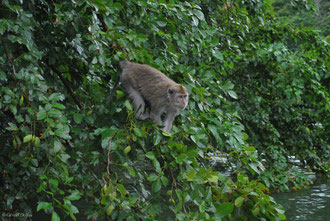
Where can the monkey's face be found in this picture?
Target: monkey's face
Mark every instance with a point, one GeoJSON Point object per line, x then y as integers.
{"type": "Point", "coordinates": [178, 98]}
{"type": "Point", "coordinates": [182, 100]}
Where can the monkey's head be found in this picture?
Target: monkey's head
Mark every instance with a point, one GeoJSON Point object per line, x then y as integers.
{"type": "Point", "coordinates": [178, 96]}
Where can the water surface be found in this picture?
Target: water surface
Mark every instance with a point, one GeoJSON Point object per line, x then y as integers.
{"type": "Point", "coordinates": [310, 204]}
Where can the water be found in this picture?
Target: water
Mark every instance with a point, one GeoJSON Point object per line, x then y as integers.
{"type": "Point", "coordinates": [310, 204]}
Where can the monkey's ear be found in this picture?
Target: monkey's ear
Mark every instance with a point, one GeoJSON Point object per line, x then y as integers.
{"type": "Point", "coordinates": [170, 91]}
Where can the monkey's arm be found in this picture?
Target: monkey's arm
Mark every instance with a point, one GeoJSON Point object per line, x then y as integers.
{"type": "Point", "coordinates": [170, 116]}
{"type": "Point", "coordinates": [155, 115]}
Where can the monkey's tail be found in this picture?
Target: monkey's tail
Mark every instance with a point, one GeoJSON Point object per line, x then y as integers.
{"type": "Point", "coordinates": [113, 91]}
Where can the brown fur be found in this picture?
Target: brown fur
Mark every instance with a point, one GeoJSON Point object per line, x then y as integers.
{"type": "Point", "coordinates": [145, 83]}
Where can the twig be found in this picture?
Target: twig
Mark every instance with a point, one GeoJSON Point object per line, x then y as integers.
{"type": "Point", "coordinates": [109, 148]}
{"type": "Point", "coordinates": [176, 187]}
{"type": "Point", "coordinates": [173, 179]}
{"type": "Point", "coordinates": [8, 57]}
{"type": "Point", "coordinates": [66, 85]}
{"type": "Point", "coordinates": [112, 92]}
{"type": "Point", "coordinates": [183, 204]}
{"type": "Point", "coordinates": [104, 25]}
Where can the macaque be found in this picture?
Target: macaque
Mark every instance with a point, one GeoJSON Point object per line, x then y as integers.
{"type": "Point", "coordinates": [144, 83]}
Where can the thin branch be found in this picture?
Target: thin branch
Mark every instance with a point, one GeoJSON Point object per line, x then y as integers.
{"type": "Point", "coordinates": [112, 92]}
{"type": "Point", "coordinates": [183, 204]}
{"type": "Point", "coordinates": [66, 85]}
{"type": "Point", "coordinates": [104, 25]}
{"type": "Point", "coordinates": [10, 58]}
{"type": "Point", "coordinates": [109, 149]}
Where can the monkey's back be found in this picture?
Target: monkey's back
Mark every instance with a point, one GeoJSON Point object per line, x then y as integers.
{"type": "Point", "coordinates": [150, 82]}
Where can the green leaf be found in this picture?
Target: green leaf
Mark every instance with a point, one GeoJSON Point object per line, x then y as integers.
{"type": "Point", "coordinates": [110, 209]}
{"type": "Point", "coordinates": [78, 118]}
{"type": "Point", "coordinates": [64, 157]}
{"type": "Point", "coordinates": [99, 131]}
{"type": "Point", "coordinates": [157, 166]}
{"type": "Point", "coordinates": [21, 101]}
{"type": "Point", "coordinates": [128, 105]}
{"type": "Point", "coordinates": [157, 140]}
{"type": "Point", "coordinates": [161, 23]}
{"type": "Point", "coordinates": [105, 143]}
{"type": "Point", "coordinates": [214, 42]}
{"type": "Point", "coordinates": [43, 205]}
{"type": "Point", "coordinates": [37, 142]}
{"type": "Point", "coordinates": [250, 148]}
{"type": "Point", "coordinates": [166, 134]}
{"type": "Point", "coordinates": [218, 55]}
{"type": "Point", "coordinates": [150, 155]}
{"type": "Point", "coordinates": [107, 132]}
{"type": "Point", "coordinates": [199, 14]}
{"type": "Point", "coordinates": [195, 21]}
{"type": "Point", "coordinates": [56, 97]}
{"type": "Point", "coordinates": [261, 20]}
{"type": "Point", "coordinates": [117, 5]}
{"type": "Point", "coordinates": [245, 136]}
{"type": "Point", "coordinates": [63, 132]}
{"type": "Point", "coordinates": [215, 133]}
{"type": "Point", "coordinates": [281, 216]}
{"type": "Point", "coordinates": [58, 106]}
{"type": "Point", "coordinates": [55, 216]}
{"type": "Point", "coordinates": [121, 189]}
{"type": "Point", "coordinates": [152, 177]}
{"type": "Point", "coordinates": [127, 149]}
{"type": "Point", "coordinates": [54, 182]}
{"type": "Point", "coordinates": [138, 132]}
{"type": "Point", "coordinates": [224, 209]}
{"type": "Point", "coordinates": [254, 167]}
{"type": "Point", "coordinates": [164, 180]}
{"type": "Point", "coordinates": [239, 201]}
{"type": "Point", "coordinates": [193, 138]}
{"type": "Point", "coordinates": [191, 175]}
{"type": "Point", "coordinates": [42, 187]}
{"type": "Point", "coordinates": [27, 138]}
{"type": "Point", "coordinates": [12, 127]}
{"type": "Point", "coordinates": [181, 158]}
{"type": "Point", "coordinates": [34, 162]}
{"type": "Point", "coordinates": [156, 186]}
{"type": "Point", "coordinates": [213, 179]}
{"type": "Point", "coordinates": [228, 85]}
{"type": "Point", "coordinates": [43, 177]}
{"type": "Point", "coordinates": [232, 94]}
{"type": "Point", "coordinates": [3, 76]}
{"type": "Point", "coordinates": [256, 211]}
{"type": "Point", "coordinates": [57, 146]}
{"type": "Point", "coordinates": [41, 114]}
{"type": "Point", "coordinates": [55, 113]}
{"type": "Point", "coordinates": [75, 195]}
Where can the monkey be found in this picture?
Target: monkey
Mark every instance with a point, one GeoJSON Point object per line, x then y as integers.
{"type": "Point", "coordinates": [144, 83]}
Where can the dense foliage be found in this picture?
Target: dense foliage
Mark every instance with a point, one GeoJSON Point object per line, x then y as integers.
{"type": "Point", "coordinates": [315, 15]}
{"type": "Point", "coordinates": [258, 94]}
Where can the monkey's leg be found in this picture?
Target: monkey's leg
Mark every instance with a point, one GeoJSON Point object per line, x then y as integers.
{"type": "Point", "coordinates": [170, 116]}
{"type": "Point", "coordinates": [138, 103]}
